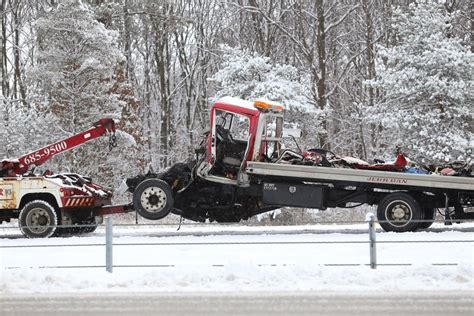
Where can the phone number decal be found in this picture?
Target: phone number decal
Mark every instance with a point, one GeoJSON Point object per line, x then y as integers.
{"type": "Point", "coordinates": [45, 153]}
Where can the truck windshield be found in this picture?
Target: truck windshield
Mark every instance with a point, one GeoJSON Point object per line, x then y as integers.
{"type": "Point", "coordinates": [237, 125]}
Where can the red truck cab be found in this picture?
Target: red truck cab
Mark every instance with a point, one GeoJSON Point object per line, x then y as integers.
{"type": "Point", "coordinates": [241, 131]}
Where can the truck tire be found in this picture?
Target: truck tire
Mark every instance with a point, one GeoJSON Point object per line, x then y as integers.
{"type": "Point", "coordinates": [88, 229]}
{"type": "Point", "coordinates": [153, 199]}
{"type": "Point", "coordinates": [90, 226]}
{"type": "Point", "coordinates": [398, 212]}
{"type": "Point", "coordinates": [429, 215]}
{"type": "Point", "coordinates": [38, 219]}
{"type": "Point", "coordinates": [77, 228]}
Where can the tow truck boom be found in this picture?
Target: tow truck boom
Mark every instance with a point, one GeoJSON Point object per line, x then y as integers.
{"type": "Point", "coordinates": [38, 157]}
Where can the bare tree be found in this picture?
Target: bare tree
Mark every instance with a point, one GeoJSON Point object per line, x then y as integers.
{"type": "Point", "coordinates": [472, 25]}
{"type": "Point", "coordinates": [3, 50]}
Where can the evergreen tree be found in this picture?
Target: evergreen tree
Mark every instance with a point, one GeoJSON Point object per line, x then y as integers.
{"type": "Point", "coordinates": [427, 81]}
{"type": "Point", "coordinates": [75, 78]}
{"type": "Point", "coordinates": [250, 76]}
{"type": "Point", "coordinates": [10, 120]}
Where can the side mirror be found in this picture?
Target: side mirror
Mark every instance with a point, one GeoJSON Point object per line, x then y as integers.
{"type": "Point", "coordinates": [291, 132]}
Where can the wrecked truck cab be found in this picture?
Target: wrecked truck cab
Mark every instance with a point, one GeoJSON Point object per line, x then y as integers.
{"type": "Point", "coordinates": [240, 131]}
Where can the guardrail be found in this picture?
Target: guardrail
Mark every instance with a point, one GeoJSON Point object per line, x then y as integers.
{"type": "Point", "coordinates": [109, 245]}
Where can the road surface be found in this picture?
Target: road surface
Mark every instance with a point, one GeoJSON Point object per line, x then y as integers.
{"type": "Point", "coordinates": [209, 304]}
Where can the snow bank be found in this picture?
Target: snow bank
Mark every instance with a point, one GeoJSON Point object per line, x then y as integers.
{"type": "Point", "coordinates": [239, 277]}
{"type": "Point", "coordinates": [318, 261]}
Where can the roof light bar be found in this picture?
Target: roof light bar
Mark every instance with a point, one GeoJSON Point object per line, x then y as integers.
{"type": "Point", "coordinates": [268, 105]}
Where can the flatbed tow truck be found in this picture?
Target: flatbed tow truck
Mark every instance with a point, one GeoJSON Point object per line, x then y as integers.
{"type": "Point", "coordinates": [55, 204]}
{"type": "Point", "coordinates": [242, 169]}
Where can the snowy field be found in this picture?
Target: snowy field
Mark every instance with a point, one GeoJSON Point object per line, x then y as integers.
{"type": "Point", "coordinates": [240, 259]}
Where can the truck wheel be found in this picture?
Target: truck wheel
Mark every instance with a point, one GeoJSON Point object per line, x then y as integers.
{"type": "Point", "coordinates": [153, 199]}
{"type": "Point", "coordinates": [398, 211]}
{"type": "Point", "coordinates": [38, 219]}
{"type": "Point", "coordinates": [89, 229]}
{"type": "Point", "coordinates": [91, 226]}
{"type": "Point", "coordinates": [429, 216]}
{"type": "Point", "coordinates": [76, 229]}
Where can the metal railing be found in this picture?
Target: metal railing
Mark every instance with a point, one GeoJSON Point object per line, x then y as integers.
{"type": "Point", "coordinates": [109, 245]}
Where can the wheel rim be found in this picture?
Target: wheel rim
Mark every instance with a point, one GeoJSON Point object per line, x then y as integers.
{"type": "Point", "coordinates": [398, 213]}
{"type": "Point", "coordinates": [38, 220]}
{"type": "Point", "coordinates": [153, 199]}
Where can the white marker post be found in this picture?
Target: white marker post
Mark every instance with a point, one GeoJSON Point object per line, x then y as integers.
{"type": "Point", "coordinates": [108, 244]}
{"type": "Point", "coordinates": [373, 254]}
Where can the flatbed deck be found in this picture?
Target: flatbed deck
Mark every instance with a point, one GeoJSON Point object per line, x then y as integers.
{"type": "Point", "coordinates": [372, 177]}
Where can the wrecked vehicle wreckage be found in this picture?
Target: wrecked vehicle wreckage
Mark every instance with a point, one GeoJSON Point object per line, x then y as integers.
{"type": "Point", "coordinates": [242, 169]}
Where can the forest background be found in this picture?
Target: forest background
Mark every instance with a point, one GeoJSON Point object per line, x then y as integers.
{"type": "Point", "coordinates": [358, 77]}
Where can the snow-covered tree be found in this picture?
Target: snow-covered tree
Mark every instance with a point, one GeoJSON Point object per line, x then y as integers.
{"type": "Point", "coordinates": [250, 76]}
{"type": "Point", "coordinates": [75, 78]}
{"type": "Point", "coordinates": [427, 81]}
{"type": "Point", "coordinates": [76, 62]}
{"type": "Point", "coordinates": [13, 138]}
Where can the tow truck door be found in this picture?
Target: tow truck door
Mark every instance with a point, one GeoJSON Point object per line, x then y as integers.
{"type": "Point", "coordinates": [8, 187]}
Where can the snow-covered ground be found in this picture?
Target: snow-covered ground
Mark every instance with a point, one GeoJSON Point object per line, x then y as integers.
{"type": "Point", "coordinates": [235, 258]}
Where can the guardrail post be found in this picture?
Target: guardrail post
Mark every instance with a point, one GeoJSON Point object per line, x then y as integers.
{"type": "Point", "coordinates": [373, 253]}
{"type": "Point", "coordinates": [108, 244]}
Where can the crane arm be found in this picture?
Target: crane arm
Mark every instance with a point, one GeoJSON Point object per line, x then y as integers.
{"type": "Point", "coordinates": [40, 156]}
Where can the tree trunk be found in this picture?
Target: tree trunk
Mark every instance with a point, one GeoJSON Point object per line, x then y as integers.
{"type": "Point", "coordinates": [147, 113]}
{"type": "Point", "coordinates": [472, 26]}
{"type": "Point", "coordinates": [370, 56]}
{"type": "Point", "coordinates": [127, 43]}
{"type": "Point", "coordinates": [18, 86]}
{"type": "Point", "coordinates": [3, 51]}
{"type": "Point", "coordinates": [162, 68]}
{"type": "Point", "coordinates": [258, 29]}
{"type": "Point", "coordinates": [321, 79]}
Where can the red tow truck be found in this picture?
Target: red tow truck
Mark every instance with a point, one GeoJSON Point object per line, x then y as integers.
{"type": "Point", "coordinates": [242, 169]}
{"type": "Point", "coordinates": [43, 202]}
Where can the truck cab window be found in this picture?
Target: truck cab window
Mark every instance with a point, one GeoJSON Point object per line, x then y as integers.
{"type": "Point", "coordinates": [271, 136]}
{"type": "Point", "coordinates": [240, 128]}
{"type": "Point", "coordinates": [232, 134]}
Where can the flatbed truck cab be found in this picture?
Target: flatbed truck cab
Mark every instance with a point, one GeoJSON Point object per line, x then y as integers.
{"type": "Point", "coordinates": [241, 131]}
